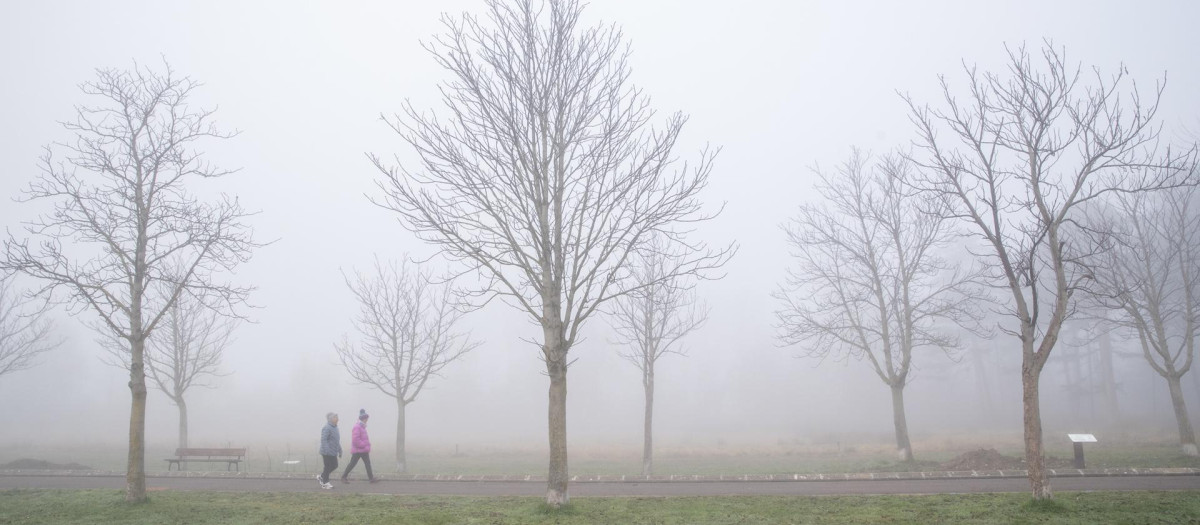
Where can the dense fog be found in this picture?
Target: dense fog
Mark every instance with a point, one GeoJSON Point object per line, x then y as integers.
{"type": "Point", "coordinates": [779, 86]}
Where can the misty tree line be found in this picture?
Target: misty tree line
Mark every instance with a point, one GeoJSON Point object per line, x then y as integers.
{"type": "Point", "coordinates": [1063, 203]}
{"type": "Point", "coordinates": [1028, 197]}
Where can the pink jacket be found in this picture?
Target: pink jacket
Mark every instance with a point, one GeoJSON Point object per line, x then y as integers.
{"type": "Point", "coordinates": [359, 442]}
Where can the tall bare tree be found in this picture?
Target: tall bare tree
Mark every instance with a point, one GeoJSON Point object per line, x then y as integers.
{"type": "Point", "coordinates": [407, 326]}
{"type": "Point", "coordinates": [121, 202]}
{"type": "Point", "coordinates": [1151, 278]}
{"type": "Point", "coordinates": [24, 329]}
{"type": "Point", "coordinates": [1014, 160]}
{"type": "Point", "coordinates": [649, 323]}
{"type": "Point", "coordinates": [870, 281]}
{"type": "Point", "coordinates": [184, 353]}
{"type": "Point", "coordinates": [545, 175]}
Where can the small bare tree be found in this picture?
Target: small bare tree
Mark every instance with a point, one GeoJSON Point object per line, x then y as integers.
{"type": "Point", "coordinates": [120, 199]}
{"type": "Point", "coordinates": [870, 281]}
{"type": "Point", "coordinates": [24, 329]}
{"type": "Point", "coordinates": [184, 353]}
{"type": "Point", "coordinates": [407, 327]}
{"type": "Point", "coordinates": [1151, 277]}
{"type": "Point", "coordinates": [650, 322]}
{"type": "Point", "coordinates": [1015, 161]}
{"type": "Point", "coordinates": [545, 176]}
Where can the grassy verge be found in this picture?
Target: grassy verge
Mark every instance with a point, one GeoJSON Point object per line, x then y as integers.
{"type": "Point", "coordinates": [103, 506]}
{"type": "Point", "coordinates": [779, 459]}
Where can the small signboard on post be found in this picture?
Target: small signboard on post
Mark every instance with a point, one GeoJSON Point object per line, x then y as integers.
{"type": "Point", "coordinates": [1079, 440]}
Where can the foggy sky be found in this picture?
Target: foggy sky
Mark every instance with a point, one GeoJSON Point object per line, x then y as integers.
{"type": "Point", "coordinates": [778, 85]}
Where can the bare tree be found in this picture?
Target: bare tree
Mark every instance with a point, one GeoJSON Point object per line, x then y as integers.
{"type": "Point", "coordinates": [1015, 160]}
{"type": "Point", "coordinates": [184, 353]}
{"type": "Point", "coordinates": [545, 176]}
{"type": "Point", "coordinates": [650, 321]}
{"type": "Point", "coordinates": [1151, 277]}
{"type": "Point", "coordinates": [120, 199]}
{"type": "Point", "coordinates": [407, 328]}
{"type": "Point", "coordinates": [870, 281]}
{"type": "Point", "coordinates": [24, 329]}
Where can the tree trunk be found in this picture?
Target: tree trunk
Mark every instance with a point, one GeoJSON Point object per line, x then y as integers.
{"type": "Point", "coordinates": [1110, 383]}
{"type": "Point", "coordinates": [135, 474]}
{"type": "Point", "coordinates": [1187, 439]}
{"type": "Point", "coordinates": [401, 458]}
{"type": "Point", "coordinates": [903, 446]}
{"type": "Point", "coordinates": [183, 418]}
{"type": "Point", "coordinates": [1034, 459]}
{"type": "Point", "coordinates": [1196, 382]}
{"type": "Point", "coordinates": [647, 428]}
{"type": "Point", "coordinates": [556, 367]}
{"type": "Point", "coordinates": [981, 381]}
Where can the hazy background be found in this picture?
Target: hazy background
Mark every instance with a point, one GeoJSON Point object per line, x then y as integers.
{"type": "Point", "coordinates": [779, 85]}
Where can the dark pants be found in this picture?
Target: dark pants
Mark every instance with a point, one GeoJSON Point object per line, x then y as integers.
{"type": "Point", "coordinates": [366, 459]}
{"type": "Point", "coordinates": [330, 466]}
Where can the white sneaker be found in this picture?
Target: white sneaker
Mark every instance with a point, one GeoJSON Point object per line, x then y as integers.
{"type": "Point", "coordinates": [319, 482]}
{"type": "Point", "coordinates": [327, 486]}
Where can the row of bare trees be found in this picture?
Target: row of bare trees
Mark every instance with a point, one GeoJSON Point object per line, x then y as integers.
{"type": "Point", "coordinates": [1059, 186]}
{"type": "Point", "coordinates": [1149, 277]}
{"type": "Point", "coordinates": [407, 330]}
{"type": "Point", "coordinates": [550, 177]}
{"type": "Point", "coordinates": [127, 240]}
{"type": "Point", "coordinates": [1018, 162]}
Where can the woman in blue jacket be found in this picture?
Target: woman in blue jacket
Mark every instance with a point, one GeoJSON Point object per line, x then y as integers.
{"type": "Point", "coordinates": [331, 449]}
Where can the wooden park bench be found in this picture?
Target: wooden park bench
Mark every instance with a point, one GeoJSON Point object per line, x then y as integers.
{"type": "Point", "coordinates": [231, 456]}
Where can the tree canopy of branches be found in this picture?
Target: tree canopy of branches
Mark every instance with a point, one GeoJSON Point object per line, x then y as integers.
{"type": "Point", "coordinates": [1151, 277]}
{"type": "Point", "coordinates": [24, 329]}
{"type": "Point", "coordinates": [870, 281]}
{"type": "Point", "coordinates": [1015, 160]}
{"type": "Point", "coordinates": [125, 238]}
{"type": "Point", "coordinates": [649, 323]}
{"type": "Point", "coordinates": [545, 175]}
{"type": "Point", "coordinates": [407, 328]}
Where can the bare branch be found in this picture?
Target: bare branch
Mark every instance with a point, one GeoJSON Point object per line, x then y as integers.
{"type": "Point", "coordinates": [24, 329]}
{"type": "Point", "coordinates": [407, 330]}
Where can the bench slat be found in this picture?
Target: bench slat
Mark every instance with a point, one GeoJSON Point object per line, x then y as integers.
{"type": "Point", "coordinates": [181, 452]}
{"type": "Point", "coordinates": [231, 456]}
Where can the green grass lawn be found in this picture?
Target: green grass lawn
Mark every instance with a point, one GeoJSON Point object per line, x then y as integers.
{"type": "Point", "coordinates": [106, 506]}
{"type": "Point", "coordinates": [783, 458]}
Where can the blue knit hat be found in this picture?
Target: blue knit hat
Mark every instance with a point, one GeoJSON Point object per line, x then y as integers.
{"type": "Point", "coordinates": [362, 413]}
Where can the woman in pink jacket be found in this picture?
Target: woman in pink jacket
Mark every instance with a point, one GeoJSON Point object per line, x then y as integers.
{"type": "Point", "coordinates": [360, 447]}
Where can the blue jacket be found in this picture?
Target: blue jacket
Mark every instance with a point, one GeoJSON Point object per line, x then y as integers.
{"type": "Point", "coordinates": [331, 441]}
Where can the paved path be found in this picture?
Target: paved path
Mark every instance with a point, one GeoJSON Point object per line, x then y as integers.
{"type": "Point", "coordinates": [601, 489]}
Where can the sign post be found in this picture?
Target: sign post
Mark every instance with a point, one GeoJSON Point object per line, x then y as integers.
{"type": "Point", "coordinates": [1079, 440]}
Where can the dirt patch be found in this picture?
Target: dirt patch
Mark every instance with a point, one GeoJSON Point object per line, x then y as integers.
{"type": "Point", "coordinates": [984, 459]}
{"type": "Point", "coordinates": [989, 459]}
{"type": "Point", "coordinates": [38, 464]}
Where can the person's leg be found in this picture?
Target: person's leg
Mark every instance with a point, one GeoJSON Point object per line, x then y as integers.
{"type": "Point", "coordinates": [353, 462]}
{"type": "Point", "coordinates": [367, 463]}
{"type": "Point", "coordinates": [330, 466]}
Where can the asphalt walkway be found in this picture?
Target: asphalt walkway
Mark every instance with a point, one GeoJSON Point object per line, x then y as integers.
{"type": "Point", "coordinates": [602, 486]}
